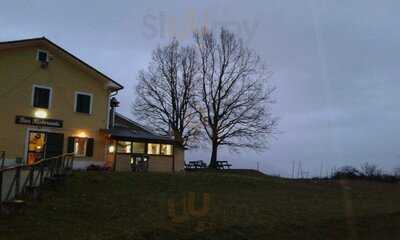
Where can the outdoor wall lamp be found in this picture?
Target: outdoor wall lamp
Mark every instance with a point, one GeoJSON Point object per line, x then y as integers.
{"type": "Point", "coordinates": [40, 114]}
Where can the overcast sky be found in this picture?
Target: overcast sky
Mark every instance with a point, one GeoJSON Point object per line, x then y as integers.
{"type": "Point", "coordinates": [335, 64]}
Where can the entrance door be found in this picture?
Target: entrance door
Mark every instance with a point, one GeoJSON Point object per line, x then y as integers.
{"type": "Point", "coordinates": [139, 163]}
{"type": "Point", "coordinates": [44, 145]}
{"type": "Point", "coordinates": [36, 148]}
{"type": "Point", "coordinates": [54, 144]}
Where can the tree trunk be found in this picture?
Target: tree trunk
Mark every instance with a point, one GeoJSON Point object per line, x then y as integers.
{"type": "Point", "coordinates": [214, 156]}
{"type": "Point", "coordinates": [178, 137]}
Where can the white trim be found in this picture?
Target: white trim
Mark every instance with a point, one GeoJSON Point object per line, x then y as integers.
{"type": "Point", "coordinates": [108, 111]}
{"type": "Point", "coordinates": [44, 51]}
{"type": "Point", "coordinates": [44, 87]}
{"type": "Point", "coordinates": [91, 101]}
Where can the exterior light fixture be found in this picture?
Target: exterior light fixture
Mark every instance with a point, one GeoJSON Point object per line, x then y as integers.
{"type": "Point", "coordinates": [40, 114]}
{"type": "Point", "coordinates": [128, 149]}
{"type": "Point", "coordinates": [82, 135]}
{"type": "Point", "coordinates": [111, 149]}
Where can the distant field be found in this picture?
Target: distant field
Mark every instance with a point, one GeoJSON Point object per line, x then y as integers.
{"type": "Point", "coordinates": [242, 205]}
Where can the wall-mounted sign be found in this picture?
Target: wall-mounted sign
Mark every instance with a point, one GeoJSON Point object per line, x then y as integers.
{"type": "Point", "coordinates": [38, 121]}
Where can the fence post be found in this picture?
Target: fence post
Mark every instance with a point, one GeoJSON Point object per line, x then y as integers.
{"type": "Point", "coordinates": [31, 174]}
{"type": "Point", "coordinates": [41, 174]}
{"type": "Point", "coordinates": [51, 167]}
{"type": "Point", "coordinates": [1, 189]}
{"type": "Point", "coordinates": [17, 180]}
{"type": "Point", "coordinates": [2, 158]}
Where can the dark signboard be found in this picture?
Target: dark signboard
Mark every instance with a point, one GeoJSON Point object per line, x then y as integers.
{"type": "Point", "coordinates": [39, 121]}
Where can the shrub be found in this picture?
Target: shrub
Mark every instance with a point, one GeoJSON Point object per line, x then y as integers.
{"type": "Point", "coordinates": [348, 172]}
{"type": "Point", "coordinates": [371, 171]}
{"type": "Point", "coordinates": [367, 172]}
{"type": "Point", "coordinates": [94, 167]}
{"type": "Point", "coordinates": [396, 172]}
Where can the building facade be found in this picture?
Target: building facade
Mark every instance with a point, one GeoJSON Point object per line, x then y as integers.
{"type": "Point", "coordinates": [134, 147]}
{"type": "Point", "coordinates": [53, 103]}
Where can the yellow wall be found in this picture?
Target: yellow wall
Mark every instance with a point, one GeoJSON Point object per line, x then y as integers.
{"type": "Point", "coordinates": [19, 71]}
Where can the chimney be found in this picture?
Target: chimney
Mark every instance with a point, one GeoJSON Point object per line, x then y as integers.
{"type": "Point", "coordinates": [113, 104]}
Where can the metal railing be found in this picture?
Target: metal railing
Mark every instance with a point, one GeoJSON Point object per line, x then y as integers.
{"type": "Point", "coordinates": [15, 180]}
{"type": "Point", "coordinates": [2, 159]}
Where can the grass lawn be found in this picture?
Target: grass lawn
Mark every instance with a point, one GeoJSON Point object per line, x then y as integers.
{"type": "Point", "coordinates": [244, 205]}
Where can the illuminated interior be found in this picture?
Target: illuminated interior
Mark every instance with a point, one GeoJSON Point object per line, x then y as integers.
{"type": "Point", "coordinates": [37, 143]}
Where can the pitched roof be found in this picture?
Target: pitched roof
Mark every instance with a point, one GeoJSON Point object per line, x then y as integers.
{"type": "Point", "coordinates": [123, 121]}
{"type": "Point", "coordinates": [127, 129]}
{"type": "Point", "coordinates": [45, 41]}
{"type": "Point", "coordinates": [129, 134]}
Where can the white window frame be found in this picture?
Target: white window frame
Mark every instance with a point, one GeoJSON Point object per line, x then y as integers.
{"type": "Point", "coordinates": [85, 147]}
{"type": "Point", "coordinates": [91, 101]}
{"type": "Point", "coordinates": [43, 51]}
{"type": "Point", "coordinates": [44, 87]}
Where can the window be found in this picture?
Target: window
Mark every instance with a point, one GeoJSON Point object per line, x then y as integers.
{"type": "Point", "coordinates": [83, 103]}
{"type": "Point", "coordinates": [41, 97]}
{"type": "Point", "coordinates": [138, 147]}
{"type": "Point", "coordinates": [124, 147]}
{"type": "Point", "coordinates": [81, 147]}
{"type": "Point", "coordinates": [159, 149]}
{"type": "Point", "coordinates": [153, 148]}
{"type": "Point", "coordinates": [166, 149]}
{"type": "Point", "coordinates": [42, 56]}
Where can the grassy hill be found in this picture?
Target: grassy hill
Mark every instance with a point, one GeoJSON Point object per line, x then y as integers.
{"type": "Point", "coordinates": [242, 205]}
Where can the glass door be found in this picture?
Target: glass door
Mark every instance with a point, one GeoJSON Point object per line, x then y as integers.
{"type": "Point", "coordinates": [36, 148]}
{"type": "Point", "coordinates": [139, 163]}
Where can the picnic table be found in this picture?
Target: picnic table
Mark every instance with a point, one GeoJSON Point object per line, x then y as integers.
{"type": "Point", "coordinates": [223, 165]}
{"type": "Point", "coordinates": [195, 165]}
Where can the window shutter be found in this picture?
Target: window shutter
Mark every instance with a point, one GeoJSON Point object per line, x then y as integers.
{"type": "Point", "coordinates": [71, 141]}
{"type": "Point", "coordinates": [89, 147]}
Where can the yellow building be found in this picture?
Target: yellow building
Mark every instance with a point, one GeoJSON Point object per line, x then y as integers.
{"type": "Point", "coordinates": [54, 103]}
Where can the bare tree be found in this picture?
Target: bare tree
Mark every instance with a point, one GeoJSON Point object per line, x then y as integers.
{"type": "Point", "coordinates": [370, 170]}
{"type": "Point", "coordinates": [396, 172]}
{"type": "Point", "coordinates": [164, 91]}
{"type": "Point", "coordinates": [232, 98]}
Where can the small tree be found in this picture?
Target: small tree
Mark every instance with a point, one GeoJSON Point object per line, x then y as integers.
{"type": "Point", "coordinates": [164, 92]}
{"type": "Point", "coordinates": [232, 98]}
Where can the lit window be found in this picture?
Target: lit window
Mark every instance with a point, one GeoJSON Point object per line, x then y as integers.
{"type": "Point", "coordinates": [166, 149]}
{"type": "Point", "coordinates": [83, 103]}
{"type": "Point", "coordinates": [138, 147]}
{"type": "Point", "coordinates": [124, 147]}
{"type": "Point", "coordinates": [153, 148]}
{"type": "Point", "coordinates": [80, 146]}
{"type": "Point", "coordinates": [41, 97]}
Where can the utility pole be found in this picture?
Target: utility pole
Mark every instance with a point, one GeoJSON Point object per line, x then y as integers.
{"type": "Point", "coordinates": [258, 166]}
{"type": "Point", "coordinates": [293, 168]}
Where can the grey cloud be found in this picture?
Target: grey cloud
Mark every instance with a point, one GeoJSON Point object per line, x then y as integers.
{"type": "Point", "coordinates": [335, 64]}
